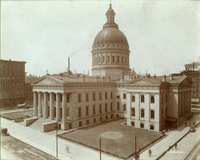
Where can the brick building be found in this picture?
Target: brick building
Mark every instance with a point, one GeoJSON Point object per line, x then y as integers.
{"type": "Point", "coordinates": [12, 83]}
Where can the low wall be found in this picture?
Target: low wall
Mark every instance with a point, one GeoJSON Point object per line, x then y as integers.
{"type": "Point", "coordinates": [46, 127]}
{"type": "Point", "coordinates": [29, 121]}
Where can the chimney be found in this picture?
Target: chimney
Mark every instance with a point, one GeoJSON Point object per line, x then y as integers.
{"type": "Point", "coordinates": [96, 79]}
{"type": "Point", "coordinates": [68, 69]}
{"type": "Point", "coordinates": [154, 76]}
{"type": "Point", "coordinates": [193, 66]}
{"type": "Point", "coordinates": [171, 77]}
{"type": "Point", "coordinates": [82, 78]}
{"type": "Point", "coordinates": [108, 78]}
{"type": "Point", "coordinates": [164, 78]}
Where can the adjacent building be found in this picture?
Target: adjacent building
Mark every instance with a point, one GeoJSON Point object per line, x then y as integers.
{"type": "Point", "coordinates": [12, 83]}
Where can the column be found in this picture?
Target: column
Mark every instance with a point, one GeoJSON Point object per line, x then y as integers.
{"type": "Point", "coordinates": [64, 110]}
{"type": "Point", "coordinates": [35, 103]}
{"type": "Point", "coordinates": [51, 106]}
{"type": "Point", "coordinates": [45, 105]}
{"type": "Point", "coordinates": [57, 106]}
{"type": "Point", "coordinates": [128, 108]}
{"type": "Point", "coordinates": [39, 105]}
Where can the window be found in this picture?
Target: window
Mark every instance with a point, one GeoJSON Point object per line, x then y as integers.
{"type": "Point", "coordinates": [87, 97]}
{"type": "Point", "coordinates": [118, 97]}
{"type": "Point", "coordinates": [94, 109]}
{"type": "Point", "coordinates": [79, 97]}
{"type": "Point", "coordinates": [117, 115]}
{"type": "Point", "coordinates": [108, 59]}
{"type": "Point", "coordinates": [141, 125]}
{"type": "Point", "coordinates": [118, 106]}
{"type": "Point", "coordinates": [111, 116]}
{"type": "Point", "coordinates": [166, 97]}
{"type": "Point", "coordinates": [162, 114]}
{"type": "Point", "coordinates": [152, 99]}
{"type": "Point", "coordinates": [80, 123]}
{"type": "Point", "coordinates": [162, 98]}
{"type": "Point", "coordinates": [93, 96]}
{"type": "Point", "coordinates": [86, 111]}
{"type": "Point", "coordinates": [117, 59]}
{"type": "Point", "coordinates": [68, 98]}
{"type": "Point", "coordinates": [152, 114]}
{"type": "Point", "coordinates": [99, 59]}
{"type": "Point", "coordinates": [142, 113]}
{"type": "Point", "coordinates": [67, 111]}
{"type": "Point", "coordinates": [113, 58]}
{"type": "Point", "coordinates": [132, 123]}
{"type": "Point", "coordinates": [99, 95]}
{"type": "Point", "coordinates": [106, 117]}
{"type": "Point", "coordinates": [111, 108]}
{"type": "Point", "coordinates": [133, 111]}
{"type": "Point", "coordinates": [133, 98]}
{"type": "Point", "coordinates": [151, 127]}
{"type": "Point", "coordinates": [87, 122]}
{"type": "Point", "coordinates": [142, 98]}
{"type": "Point", "coordinates": [79, 112]}
{"type": "Point", "coordinates": [111, 95]}
{"type": "Point", "coordinates": [105, 95]}
{"type": "Point", "coordinates": [124, 107]}
{"type": "Point", "coordinates": [105, 107]}
{"type": "Point", "coordinates": [100, 119]}
{"type": "Point", "coordinates": [99, 108]}
{"type": "Point", "coordinates": [103, 59]}
{"type": "Point", "coordinates": [94, 120]}
{"type": "Point", "coordinates": [124, 95]}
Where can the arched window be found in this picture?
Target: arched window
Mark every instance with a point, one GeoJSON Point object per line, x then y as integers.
{"type": "Point", "coordinates": [103, 59]}
{"type": "Point", "coordinates": [122, 59]}
{"type": "Point", "coordinates": [113, 59]}
{"type": "Point", "coordinates": [99, 59]}
{"type": "Point", "coordinates": [152, 99]}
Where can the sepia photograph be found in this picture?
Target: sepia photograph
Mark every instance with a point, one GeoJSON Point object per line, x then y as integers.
{"type": "Point", "coordinates": [100, 80]}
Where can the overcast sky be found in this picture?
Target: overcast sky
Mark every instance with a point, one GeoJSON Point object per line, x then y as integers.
{"type": "Point", "coordinates": [163, 35]}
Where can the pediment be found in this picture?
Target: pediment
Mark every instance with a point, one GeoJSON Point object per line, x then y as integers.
{"type": "Point", "coordinates": [47, 81]}
{"type": "Point", "coordinates": [143, 82]}
{"type": "Point", "coordinates": [185, 81]}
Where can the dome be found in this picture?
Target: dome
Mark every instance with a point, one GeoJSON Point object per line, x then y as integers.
{"type": "Point", "coordinates": [110, 35]}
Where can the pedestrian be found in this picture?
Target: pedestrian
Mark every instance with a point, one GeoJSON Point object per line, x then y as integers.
{"type": "Point", "coordinates": [150, 152]}
{"type": "Point", "coordinates": [175, 146]}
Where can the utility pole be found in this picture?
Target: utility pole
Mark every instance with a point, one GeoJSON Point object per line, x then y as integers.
{"type": "Point", "coordinates": [57, 139]}
{"type": "Point", "coordinates": [135, 149]}
{"type": "Point", "coordinates": [100, 148]}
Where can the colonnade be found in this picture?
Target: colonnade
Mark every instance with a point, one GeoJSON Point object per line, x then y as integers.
{"type": "Point", "coordinates": [43, 103]}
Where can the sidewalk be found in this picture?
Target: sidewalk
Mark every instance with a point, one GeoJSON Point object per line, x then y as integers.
{"type": "Point", "coordinates": [47, 143]}
{"type": "Point", "coordinates": [172, 137]}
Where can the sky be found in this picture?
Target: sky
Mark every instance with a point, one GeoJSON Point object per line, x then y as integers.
{"type": "Point", "coordinates": [163, 35]}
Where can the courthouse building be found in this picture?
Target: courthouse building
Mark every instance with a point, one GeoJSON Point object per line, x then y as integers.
{"type": "Point", "coordinates": [75, 100]}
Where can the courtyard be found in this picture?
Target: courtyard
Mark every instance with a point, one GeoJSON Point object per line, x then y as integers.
{"type": "Point", "coordinates": [18, 116]}
{"type": "Point", "coordinates": [116, 139]}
